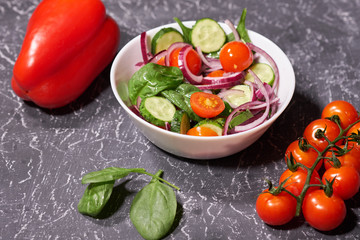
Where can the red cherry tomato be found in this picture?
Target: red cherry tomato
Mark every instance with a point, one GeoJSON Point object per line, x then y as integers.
{"type": "Point", "coordinates": [206, 105]}
{"type": "Point", "coordinates": [322, 212]}
{"type": "Point", "coordinates": [355, 129]}
{"type": "Point", "coordinates": [347, 181]}
{"type": "Point", "coordinates": [296, 180]}
{"type": "Point", "coordinates": [192, 58]}
{"type": "Point", "coordinates": [345, 110]}
{"type": "Point", "coordinates": [307, 158]}
{"type": "Point", "coordinates": [276, 209]}
{"type": "Point", "coordinates": [201, 131]}
{"type": "Point", "coordinates": [235, 56]}
{"type": "Point", "coordinates": [348, 159]}
{"type": "Point", "coordinates": [161, 61]}
{"type": "Point", "coordinates": [332, 131]}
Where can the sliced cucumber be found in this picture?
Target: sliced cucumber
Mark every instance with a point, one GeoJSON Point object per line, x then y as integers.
{"type": "Point", "coordinates": [263, 71]}
{"type": "Point", "coordinates": [157, 110]}
{"type": "Point", "coordinates": [244, 95]}
{"type": "Point", "coordinates": [214, 125]}
{"type": "Point", "coordinates": [164, 38]}
{"type": "Point", "coordinates": [208, 35]}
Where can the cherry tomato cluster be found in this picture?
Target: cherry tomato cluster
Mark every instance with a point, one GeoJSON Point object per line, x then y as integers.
{"type": "Point", "coordinates": [323, 171]}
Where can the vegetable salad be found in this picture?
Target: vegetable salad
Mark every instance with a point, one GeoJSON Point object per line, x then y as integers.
{"type": "Point", "coordinates": [202, 81]}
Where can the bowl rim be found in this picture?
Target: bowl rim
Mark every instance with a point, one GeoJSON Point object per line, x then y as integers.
{"type": "Point", "coordinates": [265, 124]}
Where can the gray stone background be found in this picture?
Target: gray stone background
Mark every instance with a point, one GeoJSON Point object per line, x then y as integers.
{"type": "Point", "coordinates": [44, 153]}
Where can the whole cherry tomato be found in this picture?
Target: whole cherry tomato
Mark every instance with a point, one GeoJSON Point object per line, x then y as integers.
{"type": "Point", "coordinates": [307, 157]}
{"type": "Point", "coordinates": [276, 209]}
{"type": "Point", "coordinates": [347, 181]}
{"type": "Point", "coordinates": [329, 127]}
{"type": "Point", "coordinates": [235, 56]}
{"type": "Point", "coordinates": [355, 129]}
{"type": "Point", "coordinates": [344, 110]}
{"type": "Point", "coordinates": [348, 159]}
{"type": "Point", "coordinates": [192, 58]}
{"type": "Point", "coordinates": [322, 212]}
{"type": "Point", "coordinates": [296, 180]}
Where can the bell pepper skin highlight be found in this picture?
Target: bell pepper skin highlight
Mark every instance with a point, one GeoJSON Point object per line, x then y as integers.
{"type": "Point", "coordinates": [66, 46]}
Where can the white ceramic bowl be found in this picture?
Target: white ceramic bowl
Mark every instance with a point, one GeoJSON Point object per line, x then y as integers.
{"type": "Point", "coordinates": [190, 146]}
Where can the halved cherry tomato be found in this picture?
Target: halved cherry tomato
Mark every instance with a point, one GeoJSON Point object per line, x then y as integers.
{"type": "Point", "coordinates": [201, 131]}
{"type": "Point", "coordinates": [235, 56]}
{"type": "Point", "coordinates": [348, 159]}
{"type": "Point", "coordinates": [307, 158]}
{"type": "Point", "coordinates": [216, 73]}
{"type": "Point", "coordinates": [296, 180]}
{"type": "Point", "coordinates": [276, 209]}
{"type": "Point", "coordinates": [322, 212]}
{"type": "Point", "coordinates": [161, 61]}
{"type": "Point", "coordinates": [206, 105]}
{"type": "Point", "coordinates": [344, 110]}
{"type": "Point", "coordinates": [193, 60]}
{"type": "Point", "coordinates": [347, 181]}
{"type": "Point", "coordinates": [332, 131]}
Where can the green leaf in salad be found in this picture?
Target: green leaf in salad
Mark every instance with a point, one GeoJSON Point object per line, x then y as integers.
{"type": "Point", "coordinates": [153, 209]}
{"type": "Point", "coordinates": [152, 79]}
{"type": "Point", "coordinates": [185, 30]}
{"type": "Point", "coordinates": [240, 118]}
{"type": "Point", "coordinates": [95, 197]}
{"type": "Point", "coordinates": [181, 98]}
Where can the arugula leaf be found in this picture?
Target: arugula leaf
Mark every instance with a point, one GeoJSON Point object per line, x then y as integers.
{"type": "Point", "coordinates": [186, 31]}
{"type": "Point", "coordinates": [109, 174]}
{"type": "Point", "coordinates": [95, 198]}
{"type": "Point", "coordinates": [152, 79]}
{"type": "Point", "coordinates": [153, 209]}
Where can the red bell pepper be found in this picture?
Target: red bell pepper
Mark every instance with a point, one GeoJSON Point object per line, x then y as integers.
{"type": "Point", "coordinates": [67, 44]}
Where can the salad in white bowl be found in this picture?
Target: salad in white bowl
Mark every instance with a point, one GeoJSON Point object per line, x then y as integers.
{"type": "Point", "coordinates": [202, 89]}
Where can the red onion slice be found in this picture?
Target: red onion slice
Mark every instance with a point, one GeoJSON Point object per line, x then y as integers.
{"type": "Point", "coordinates": [270, 60]}
{"type": "Point", "coordinates": [225, 79]}
{"type": "Point", "coordinates": [144, 47]}
{"type": "Point", "coordinates": [192, 78]}
{"type": "Point", "coordinates": [219, 85]}
{"type": "Point", "coordinates": [158, 56]}
{"type": "Point", "coordinates": [172, 48]}
{"type": "Point", "coordinates": [233, 30]}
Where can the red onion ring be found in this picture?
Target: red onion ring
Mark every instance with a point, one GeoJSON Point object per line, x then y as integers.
{"type": "Point", "coordinates": [144, 47]}
{"type": "Point", "coordinates": [158, 56]}
{"type": "Point", "coordinates": [270, 60]}
{"type": "Point", "coordinates": [225, 79]}
{"type": "Point", "coordinates": [172, 48]}
{"type": "Point", "coordinates": [192, 78]}
{"type": "Point", "coordinates": [233, 30]}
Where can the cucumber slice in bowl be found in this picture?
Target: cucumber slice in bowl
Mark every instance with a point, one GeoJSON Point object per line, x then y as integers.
{"type": "Point", "coordinates": [164, 38]}
{"type": "Point", "coordinates": [208, 35]}
{"type": "Point", "coordinates": [157, 110]}
{"type": "Point", "coordinates": [264, 72]}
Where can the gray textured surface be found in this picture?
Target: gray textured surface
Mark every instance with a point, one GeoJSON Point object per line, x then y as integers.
{"type": "Point", "coordinates": [43, 154]}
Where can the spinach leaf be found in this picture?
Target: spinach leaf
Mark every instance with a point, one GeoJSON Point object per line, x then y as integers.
{"type": "Point", "coordinates": [152, 79]}
{"type": "Point", "coordinates": [186, 31]}
{"type": "Point", "coordinates": [109, 174]}
{"type": "Point", "coordinates": [95, 198]}
{"type": "Point", "coordinates": [176, 122]}
{"type": "Point", "coordinates": [242, 117]}
{"type": "Point", "coordinates": [181, 98]}
{"type": "Point", "coordinates": [153, 209]}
